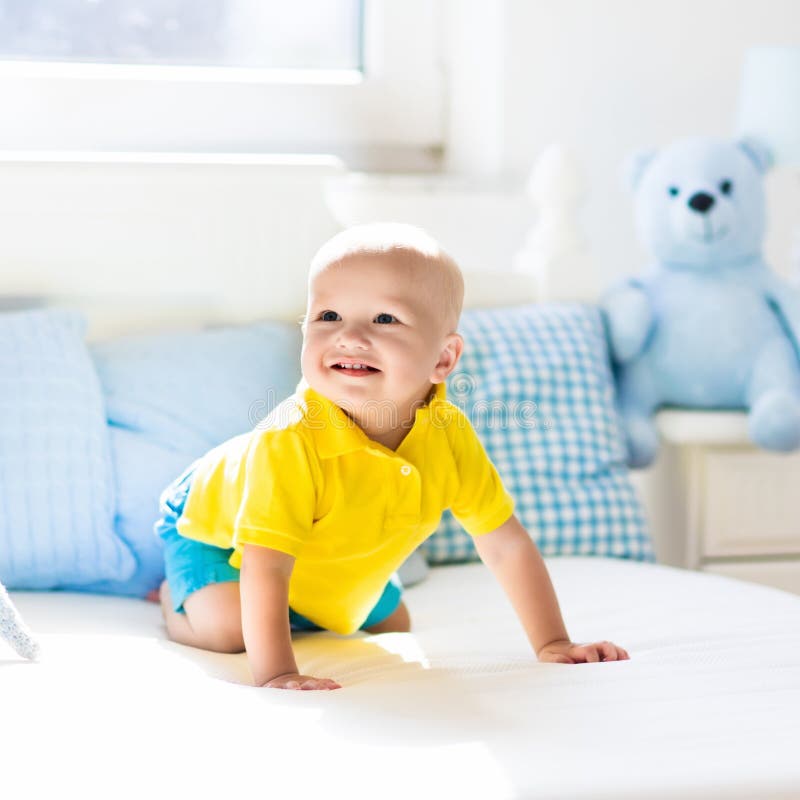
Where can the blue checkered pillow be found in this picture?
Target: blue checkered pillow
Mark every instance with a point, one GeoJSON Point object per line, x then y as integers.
{"type": "Point", "coordinates": [536, 383]}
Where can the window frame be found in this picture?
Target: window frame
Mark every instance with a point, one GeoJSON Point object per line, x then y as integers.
{"type": "Point", "coordinates": [396, 103]}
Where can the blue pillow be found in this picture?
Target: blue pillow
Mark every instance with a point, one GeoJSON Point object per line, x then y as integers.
{"type": "Point", "coordinates": [56, 484]}
{"type": "Point", "coordinates": [172, 397]}
{"type": "Point", "coordinates": [536, 383]}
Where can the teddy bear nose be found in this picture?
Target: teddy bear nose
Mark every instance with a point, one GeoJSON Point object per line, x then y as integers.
{"type": "Point", "coordinates": [701, 202]}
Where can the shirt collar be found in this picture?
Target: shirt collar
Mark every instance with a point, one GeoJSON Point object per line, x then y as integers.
{"type": "Point", "coordinates": [335, 434]}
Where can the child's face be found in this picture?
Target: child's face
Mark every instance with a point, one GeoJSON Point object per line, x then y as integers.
{"type": "Point", "coordinates": [380, 312]}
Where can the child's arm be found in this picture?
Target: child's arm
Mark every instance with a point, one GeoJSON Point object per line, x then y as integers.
{"type": "Point", "coordinates": [515, 561]}
{"type": "Point", "coordinates": [265, 621]}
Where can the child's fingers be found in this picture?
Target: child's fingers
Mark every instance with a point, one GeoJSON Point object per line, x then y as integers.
{"type": "Point", "coordinates": [302, 683]}
{"type": "Point", "coordinates": [323, 684]}
{"type": "Point", "coordinates": [610, 652]}
{"type": "Point", "coordinates": [585, 652]}
{"type": "Point", "coordinates": [591, 654]}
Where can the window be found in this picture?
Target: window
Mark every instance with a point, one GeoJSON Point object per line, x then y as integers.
{"type": "Point", "coordinates": [341, 76]}
{"type": "Point", "coordinates": [265, 34]}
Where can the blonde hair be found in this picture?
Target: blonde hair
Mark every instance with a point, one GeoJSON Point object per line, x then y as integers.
{"type": "Point", "coordinates": [384, 238]}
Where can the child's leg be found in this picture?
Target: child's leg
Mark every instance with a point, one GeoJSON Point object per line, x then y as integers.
{"type": "Point", "coordinates": [212, 618]}
{"type": "Point", "coordinates": [390, 613]}
{"type": "Point", "coordinates": [399, 620]}
{"type": "Point", "coordinates": [200, 597]}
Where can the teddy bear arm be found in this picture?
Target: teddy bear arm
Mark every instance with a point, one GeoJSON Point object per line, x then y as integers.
{"type": "Point", "coordinates": [629, 318]}
{"type": "Point", "coordinates": [784, 300]}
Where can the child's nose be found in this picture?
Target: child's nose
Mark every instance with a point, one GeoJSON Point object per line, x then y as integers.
{"type": "Point", "coordinates": [354, 336]}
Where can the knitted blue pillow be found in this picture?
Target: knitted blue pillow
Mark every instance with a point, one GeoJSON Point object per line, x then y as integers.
{"type": "Point", "coordinates": [536, 383]}
{"type": "Point", "coordinates": [170, 397]}
{"type": "Point", "coordinates": [56, 484]}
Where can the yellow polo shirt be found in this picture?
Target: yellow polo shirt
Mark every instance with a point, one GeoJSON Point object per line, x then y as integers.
{"type": "Point", "coordinates": [309, 482]}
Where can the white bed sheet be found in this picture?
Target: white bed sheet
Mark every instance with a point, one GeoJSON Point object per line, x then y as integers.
{"type": "Point", "coordinates": [708, 705]}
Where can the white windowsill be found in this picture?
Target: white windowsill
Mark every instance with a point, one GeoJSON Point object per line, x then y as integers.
{"type": "Point", "coordinates": [72, 70]}
{"type": "Point", "coordinates": [175, 158]}
{"type": "Point", "coordinates": [684, 427]}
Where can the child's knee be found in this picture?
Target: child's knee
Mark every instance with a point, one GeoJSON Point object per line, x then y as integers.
{"type": "Point", "coordinates": [399, 621]}
{"type": "Point", "coordinates": [226, 640]}
{"type": "Point", "coordinates": [215, 616]}
{"type": "Point", "coordinates": [403, 619]}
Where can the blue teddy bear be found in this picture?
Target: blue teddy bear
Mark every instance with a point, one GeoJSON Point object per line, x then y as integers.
{"type": "Point", "coordinates": [709, 325]}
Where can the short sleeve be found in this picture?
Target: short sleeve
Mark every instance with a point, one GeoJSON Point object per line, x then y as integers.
{"type": "Point", "coordinates": [482, 503]}
{"type": "Point", "coordinates": [278, 494]}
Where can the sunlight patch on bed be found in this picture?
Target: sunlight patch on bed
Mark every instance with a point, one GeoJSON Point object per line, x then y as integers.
{"type": "Point", "coordinates": [404, 645]}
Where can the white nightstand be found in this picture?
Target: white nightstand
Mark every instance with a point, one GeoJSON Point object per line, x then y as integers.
{"type": "Point", "coordinates": [718, 504]}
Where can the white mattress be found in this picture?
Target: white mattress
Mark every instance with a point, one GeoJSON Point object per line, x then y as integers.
{"type": "Point", "coordinates": [708, 705]}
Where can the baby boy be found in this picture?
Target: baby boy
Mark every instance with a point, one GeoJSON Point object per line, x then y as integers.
{"type": "Point", "coordinates": [301, 523]}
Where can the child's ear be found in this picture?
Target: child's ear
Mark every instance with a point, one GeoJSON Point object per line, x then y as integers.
{"type": "Point", "coordinates": [448, 358]}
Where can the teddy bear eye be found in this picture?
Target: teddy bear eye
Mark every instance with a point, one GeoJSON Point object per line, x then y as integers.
{"type": "Point", "coordinates": [674, 191]}
{"type": "Point", "coordinates": [726, 187]}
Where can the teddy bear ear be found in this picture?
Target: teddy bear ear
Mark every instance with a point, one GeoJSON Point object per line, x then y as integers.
{"type": "Point", "coordinates": [635, 165]}
{"type": "Point", "coordinates": [757, 151]}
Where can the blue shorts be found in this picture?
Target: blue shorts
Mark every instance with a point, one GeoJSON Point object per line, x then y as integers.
{"type": "Point", "coordinates": [191, 565]}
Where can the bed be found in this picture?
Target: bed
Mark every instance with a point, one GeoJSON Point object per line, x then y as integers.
{"type": "Point", "coordinates": [707, 706]}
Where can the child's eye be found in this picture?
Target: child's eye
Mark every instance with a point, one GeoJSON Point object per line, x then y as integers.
{"type": "Point", "coordinates": [329, 316]}
{"type": "Point", "coordinates": [385, 319]}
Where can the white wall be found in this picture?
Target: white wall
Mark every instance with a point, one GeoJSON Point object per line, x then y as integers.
{"type": "Point", "coordinates": [609, 76]}
{"type": "Point", "coordinates": [145, 242]}
{"type": "Point", "coordinates": [602, 76]}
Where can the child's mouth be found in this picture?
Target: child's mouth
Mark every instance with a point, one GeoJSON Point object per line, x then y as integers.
{"type": "Point", "coordinates": [354, 369]}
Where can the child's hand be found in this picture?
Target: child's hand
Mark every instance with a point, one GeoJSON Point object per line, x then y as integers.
{"type": "Point", "coordinates": [566, 652]}
{"type": "Point", "coordinates": [291, 680]}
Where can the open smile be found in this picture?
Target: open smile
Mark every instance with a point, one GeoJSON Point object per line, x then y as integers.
{"type": "Point", "coordinates": [354, 369]}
